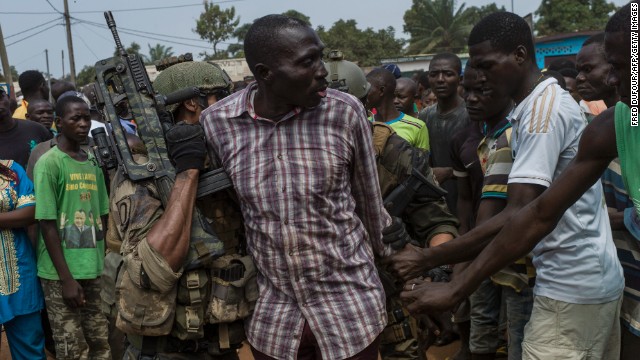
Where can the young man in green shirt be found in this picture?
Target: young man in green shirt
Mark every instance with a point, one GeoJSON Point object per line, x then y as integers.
{"type": "Point", "coordinates": [69, 182]}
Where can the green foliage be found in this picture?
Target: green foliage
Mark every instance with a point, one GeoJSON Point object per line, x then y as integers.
{"type": "Point", "coordinates": [437, 26]}
{"type": "Point", "coordinates": [560, 16]}
{"type": "Point", "coordinates": [134, 48]}
{"type": "Point", "coordinates": [475, 14]}
{"type": "Point", "coordinates": [298, 15]}
{"type": "Point", "coordinates": [216, 25]}
{"type": "Point", "coordinates": [365, 47]}
{"type": "Point", "coordinates": [14, 74]}
{"type": "Point", "coordinates": [85, 76]}
{"type": "Point", "coordinates": [157, 53]}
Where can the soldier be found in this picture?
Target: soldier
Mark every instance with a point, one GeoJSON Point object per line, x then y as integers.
{"type": "Point", "coordinates": [427, 219]}
{"type": "Point", "coordinates": [154, 242]}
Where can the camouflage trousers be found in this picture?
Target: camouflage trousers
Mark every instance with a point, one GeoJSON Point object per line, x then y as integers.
{"type": "Point", "coordinates": [80, 333]}
{"type": "Point", "coordinates": [133, 353]}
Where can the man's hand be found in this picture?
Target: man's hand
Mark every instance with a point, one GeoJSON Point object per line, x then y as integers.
{"type": "Point", "coordinates": [409, 262]}
{"type": "Point", "coordinates": [424, 296]}
{"type": "Point", "coordinates": [72, 293]}
{"type": "Point", "coordinates": [63, 220]}
{"type": "Point", "coordinates": [186, 146]}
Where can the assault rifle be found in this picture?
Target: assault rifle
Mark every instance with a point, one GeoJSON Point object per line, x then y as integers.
{"type": "Point", "coordinates": [124, 91]}
{"type": "Point", "coordinates": [403, 194]}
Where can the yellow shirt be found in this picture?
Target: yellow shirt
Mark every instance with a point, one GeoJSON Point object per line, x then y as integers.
{"type": "Point", "coordinates": [21, 111]}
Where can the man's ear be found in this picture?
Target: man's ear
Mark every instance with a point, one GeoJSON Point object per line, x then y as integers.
{"type": "Point", "coordinates": [263, 72]}
{"type": "Point", "coordinates": [520, 54]}
{"type": "Point", "coordinates": [191, 105]}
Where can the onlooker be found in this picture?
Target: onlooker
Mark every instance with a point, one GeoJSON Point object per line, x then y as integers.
{"type": "Point", "coordinates": [67, 180]}
{"type": "Point", "coordinates": [381, 97]}
{"type": "Point", "coordinates": [569, 76]}
{"type": "Point", "coordinates": [33, 87]}
{"type": "Point", "coordinates": [18, 138]}
{"type": "Point", "coordinates": [428, 98]}
{"type": "Point", "coordinates": [579, 279]}
{"type": "Point", "coordinates": [405, 95]}
{"type": "Point", "coordinates": [591, 81]}
{"type": "Point", "coordinates": [445, 119]}
{"type": "Point", "coordinates": [313, 236]}
{"type": "Point", "coordinates": [20, 294]}
{"type": "Point", "coordinates": [393, 69]}
{"type": "Point", "coordinates": [60, 87]}
{"type": "Point", "coordinates": [41, 111]}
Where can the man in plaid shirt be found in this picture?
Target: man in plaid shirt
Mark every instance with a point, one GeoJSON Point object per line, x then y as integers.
{"type": "Point", "coordinates": [302, 163]}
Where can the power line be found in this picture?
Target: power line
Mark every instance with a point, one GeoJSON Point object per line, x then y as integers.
{"type": "Point", "coordinates": [118, 10]}
{"type": "Point", "coordinates": [32, 28]}
{"type": "Point", "coordinates": [32, 35]}
{"type": "Point", "coordinates": [53, 7]}
{"type": "Point", "coordinates": [156, 8]}
{"type": "Point", "coordinates": [139, 31]}
{"type": "Point", "coordinates": [27, 59]}
{"type": "Point", "coordinates": [87, 45]}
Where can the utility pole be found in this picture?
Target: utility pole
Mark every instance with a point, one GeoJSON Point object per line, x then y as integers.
{"type": "Point", "coordinates": [512, 6]}
{"type": "Point", "coordinates": [5, 62]}
{"type": "Point", "coordinates": [46, 55]}
{"type": "Point", "coordinates": [72, 65]}
{"type": "Point", "coordinates": [62, 63]}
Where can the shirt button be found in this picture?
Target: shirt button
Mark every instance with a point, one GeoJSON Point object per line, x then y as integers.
{"type": "Point", "coordinates": [290, 252]}
{"type": "Point", "coordinates": [284, 189]}
{"type": "Point", "coordinates": [286, 221]}
{"type": "Point", "coordinates": [298, 279]}
{"type": "Point", "coordinates": [280, 156]}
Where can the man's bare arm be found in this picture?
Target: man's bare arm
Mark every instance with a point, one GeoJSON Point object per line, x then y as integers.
{"type": "Point", "coordinates": [169, 236]}
{"type": "Point", "coordinates": [596, 150]}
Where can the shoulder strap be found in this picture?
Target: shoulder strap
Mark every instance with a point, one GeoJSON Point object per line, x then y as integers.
{"type": "Point", "coordinates": [381, 133]}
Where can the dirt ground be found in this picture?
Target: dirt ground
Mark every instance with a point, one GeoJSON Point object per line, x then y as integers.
{"type": "Point", "coordinates": [435, 353]}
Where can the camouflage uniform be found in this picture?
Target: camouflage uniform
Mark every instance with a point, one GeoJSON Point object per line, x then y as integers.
{"type": "Point", "coordinates": [178, 312]}
{"type": "Point", "coordinates": [424, 218]}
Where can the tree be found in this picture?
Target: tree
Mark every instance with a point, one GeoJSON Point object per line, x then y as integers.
{"type": "Point", "coordinates": [14, 74]}
{"type": "Point", "coordinates": [134, 48]}
{"type": "Point", "coordinates": [366, 47]}
{"type": "Point", "coordinates": [157, 53]}
{"type": "Point", "coordinates": [436, 26]}
{"type": "Point", "coordinates": [474, 14]}
{"type": "Point", "coordinates": [560, 16]}
{"type": "Point", "coordinates": [85, 76]}
{"type": "Point", "coordinates": [298, 15]}
{"type": "Point", "coordinates": [216, 25]}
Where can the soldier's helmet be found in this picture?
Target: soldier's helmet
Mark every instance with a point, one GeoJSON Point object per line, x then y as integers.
{"type": "Point", "coordinates": [207, 77]}
{"type": "Point", "coordinates": [346, 76]}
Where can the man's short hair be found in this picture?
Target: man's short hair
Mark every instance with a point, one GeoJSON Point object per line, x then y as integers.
{"type": "Point", "coordinates": [60, 87]}
{"type": "Point", "coordinates": [30, 81]}
{"type": "Point", "coordinates": [621, 21]}
{"type": "Point", "coordinates": [569, 72]}
{"type": "Point", "coordinates": [594, 39]}
{"type": "Point", "coordinates": [559, 64]}
{"type": "Point", "coordinates": [260, 42]}
{"type": "Point", "coordinates": [453, 58]}
{"type": "Point", "coordinates": [505, 31]}
{"type": "Point", "coordinates": [382, 77]}
{"type": "Point", "coordinates": [63, 104]}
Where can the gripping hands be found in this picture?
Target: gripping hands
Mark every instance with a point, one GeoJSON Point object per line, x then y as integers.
{"type": "Point", "coordinates": [186, 146]}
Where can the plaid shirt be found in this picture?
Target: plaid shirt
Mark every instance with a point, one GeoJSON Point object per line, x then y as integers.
{"type": "Point", "coordinates": [309, 194]}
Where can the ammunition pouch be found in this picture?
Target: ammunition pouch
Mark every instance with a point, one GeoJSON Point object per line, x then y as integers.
{"type": "Point", "coordinates": [235, 289]}
{"type": "Point", "coordinates": [144, 311]}
{"type": "Point", "coordinates": [193, 293]}
{"type": "Point", "coordinates": [401, 326]}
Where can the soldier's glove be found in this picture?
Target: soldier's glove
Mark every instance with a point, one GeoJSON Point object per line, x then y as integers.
{"type": "Point", "coordinates": [396, 234]}
{"type": "Point", "coordinates": [186, 146]}
{"type": "Point", "coordinates": [438, 275]}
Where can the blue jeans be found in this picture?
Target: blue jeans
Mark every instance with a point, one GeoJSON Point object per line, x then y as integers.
{"type": "Point", "coordinates": [485, 316]}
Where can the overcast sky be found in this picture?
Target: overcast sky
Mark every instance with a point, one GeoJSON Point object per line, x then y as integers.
{"type": "Point", "coordinates": [92, 41]}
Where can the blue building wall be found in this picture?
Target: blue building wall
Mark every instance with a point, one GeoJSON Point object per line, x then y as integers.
{"type": "Point", "coordinates": [565, 47]}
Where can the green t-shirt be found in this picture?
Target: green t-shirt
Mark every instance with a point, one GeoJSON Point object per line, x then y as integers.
{"type": "Point", "coordinates": [628, 143]}
{"type": "Point", "coordinates": [74, 194]}
{"type": "Point", "coordinates": [411, 129]}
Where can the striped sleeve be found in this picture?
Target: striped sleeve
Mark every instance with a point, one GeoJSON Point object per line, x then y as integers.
{"type": "Point", "coordinates": [498, 168]}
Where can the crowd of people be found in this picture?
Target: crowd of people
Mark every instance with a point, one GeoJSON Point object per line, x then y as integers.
{"type": "Point", "coordinates": [369, 214]}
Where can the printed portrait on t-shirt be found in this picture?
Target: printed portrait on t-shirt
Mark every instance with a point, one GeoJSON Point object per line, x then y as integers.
{"type": "Point", "coordinates": [79, 231]}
